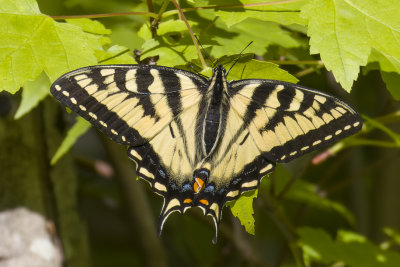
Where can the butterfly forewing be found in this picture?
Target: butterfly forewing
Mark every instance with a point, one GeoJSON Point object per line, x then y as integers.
{"type": "Point", "coordinates": [129, 103]}
{"type": "Point", "coordinates": [287, 120]}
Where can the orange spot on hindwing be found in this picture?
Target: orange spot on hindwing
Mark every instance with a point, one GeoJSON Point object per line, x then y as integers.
{"type": "Point", "coordinates": [204, 201]}
{"type": "Point", "coordinates": [188, 200]}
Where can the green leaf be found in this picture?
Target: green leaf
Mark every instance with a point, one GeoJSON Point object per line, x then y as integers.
{"type": "Point", "coordinates": [173, 44]}
{"type": "Point", "coordinates": [343, 32]}
{"type": "Point", "coordinates": [242, 208]}
{"type": "Point", "coordinates": [283, 13]}
{"type": "Point", "coordinates": [116, 54]}
{"type": "Point", "coordinates": [88, 25]}
{"type": "Point", "coordinates": [32, 94]}
{"type": "Point", "coordinates": [375, 123]}
{"type": "Point", "coordinates": [349, 248]}
{"type": "Point", "coordinates": [173, 26]}
{"type": "Point", "coordinates": [249, 30]}
{"type": "Point", "coordinates": [392, 81]}
{"type": "Point", "coordinates": [386, 62]}
{"type": "Point", "coordinates": [393, 234]}
{"type": "Point", "coordinates": [32, 43]}
{"type": "Point", "coordinates": [144, 32]}
{"type": "Point", "coordinates": [127, 35]}
{"type": "Point", "coordinates": [80, 127]}
{"type": "Point", "coordinates": [305, 192]}
{"type": "Point", "coordinates": [390, 70]}
{"type": "Point", "coordinates": [255, 69]}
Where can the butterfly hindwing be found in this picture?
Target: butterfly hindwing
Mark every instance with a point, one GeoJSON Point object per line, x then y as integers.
{"type": "Point", "coordinates": [288, 120]}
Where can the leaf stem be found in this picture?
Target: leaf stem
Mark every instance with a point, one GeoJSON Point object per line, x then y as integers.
{"type": "Point", "coordinates": [296, 62]}
{"type": "Point", "coordinates": [308, 70]}
{"type": "Point", "coordinates": [172, 12]}
{"type": "Point", "coordinates": [383, 128]}
{"type": "Point", "coordinates": [188, 9]}
{"type": "Point", "coordinates": [105, 15]}
{"type": "Point", "coordinates": [154, 23]}
{"type": "Point", "coordinates": [203, 63]}
{"type": "Point", "coordinates": [367, 142]}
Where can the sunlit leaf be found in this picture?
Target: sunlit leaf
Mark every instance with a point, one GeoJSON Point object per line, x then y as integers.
{"type": "Point", "coordinates": [255, 69]}
{"type": "Point", "coordinates": [173, 45]}
{"type": "Point", "coordinates": [116, 54]}
{"type": "Point", "coordinates": [32, 94]}
{"type": "Point", "coordinates": [285, 13]}
{"type": "Point", "coordinates": [32, 43]}
{"type": "Point", "coordinates": [343, 32]}
{"type": "Point", "coordinates": [242, 208]}
{"type": "Point", "coordinates": [249, 30]}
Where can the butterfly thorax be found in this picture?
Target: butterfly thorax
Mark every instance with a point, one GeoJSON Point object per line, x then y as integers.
{"type": "Point", "coordinates": [214, 114]}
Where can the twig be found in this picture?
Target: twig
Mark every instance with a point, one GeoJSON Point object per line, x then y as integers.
{"type": "Point", "coordinates": [105, 15]}
{"type": "Point", "coordinates": [308, 70]}
{"type": "Point", "coordinates": [172, 12]}
{"type": "Point", "coordinates": [295, 62]}
{"type": "Point", "coordinates": [155, 22]}
{"type": "Point", "coordinates": [203, 63]}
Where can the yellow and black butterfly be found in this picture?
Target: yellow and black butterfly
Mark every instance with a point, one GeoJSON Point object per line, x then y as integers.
{"type": "Point", "coordinates": [202, 142]}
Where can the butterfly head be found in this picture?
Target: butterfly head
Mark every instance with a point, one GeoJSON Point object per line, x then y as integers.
{"type": "Point", "coordinates": [219, 69]}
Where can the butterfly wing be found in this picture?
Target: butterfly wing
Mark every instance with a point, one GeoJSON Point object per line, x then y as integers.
{"type": "Point", "coordinates": [129, 103]}
{"type": "Point", "coordinates": [287, 120]}
{"type": "Point", "coordinates": [236, 166]}
{"type": "Point", "coordinates": [151, 109]}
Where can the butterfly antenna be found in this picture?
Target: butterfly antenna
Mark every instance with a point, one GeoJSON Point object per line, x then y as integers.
{"type": "Point", "coordinates": [204, 51]}
{"type": "Point", "coordinates": [240, 55]}
{"type": "Point", "coordinates": [195, 71]}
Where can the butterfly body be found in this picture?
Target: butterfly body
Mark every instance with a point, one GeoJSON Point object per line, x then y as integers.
{"type": "Point", "coordinates": [202, 142]}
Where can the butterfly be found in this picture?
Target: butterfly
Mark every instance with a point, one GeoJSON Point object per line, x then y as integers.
{"type": "Point", "coordinates": [203, 142]}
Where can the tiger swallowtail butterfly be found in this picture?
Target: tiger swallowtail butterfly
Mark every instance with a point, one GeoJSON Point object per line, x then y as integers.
{"type": "Point", "coordinates": [202, 142]}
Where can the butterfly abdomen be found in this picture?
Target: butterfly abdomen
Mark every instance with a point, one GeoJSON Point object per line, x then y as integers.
{"type": "Point", "coordinates": [214, 115]}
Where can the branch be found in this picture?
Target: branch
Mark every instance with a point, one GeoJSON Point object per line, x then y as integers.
{"type": "Point", "coordinates": [105, 15]}
{"type": "Point", "coordinates": [203, 63]}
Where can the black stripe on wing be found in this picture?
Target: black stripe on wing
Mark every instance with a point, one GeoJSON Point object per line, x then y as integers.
{"type": "Point", "coordinates": [294, 120]}
{"type": "Point", "coordinates": [114, 98]}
